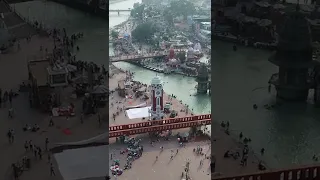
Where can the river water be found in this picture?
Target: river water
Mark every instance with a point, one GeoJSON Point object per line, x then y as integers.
{"type": "Point", "coordinates": [289, 133]}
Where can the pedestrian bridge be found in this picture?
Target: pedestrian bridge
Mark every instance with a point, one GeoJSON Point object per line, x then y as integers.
{"type": "Point", "coordinates": [143, 56]}
{"type": "Point", "coordinates": [119, 10]}
{"type": "Point", "coordinates": [136, 57]}
{"type": "Point", "coordinates": [159, 125]}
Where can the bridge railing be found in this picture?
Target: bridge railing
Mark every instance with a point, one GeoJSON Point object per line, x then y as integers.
{"type": "Point", "coordinates": [301, 173]}
{"type": "Point", "coordinates": [160, 122]}
{"type": "Point", "coordinates": [158, 128]}
{"type": "Point", "coordinates": [137, 56]}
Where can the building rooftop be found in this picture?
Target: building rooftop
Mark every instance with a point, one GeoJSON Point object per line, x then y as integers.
{"type": "Point", "coordinates": [206, 23]}
{"type": "Point", "coordinates": [57, 70]}
{"type": "Point", "coordinates": [38, 70]}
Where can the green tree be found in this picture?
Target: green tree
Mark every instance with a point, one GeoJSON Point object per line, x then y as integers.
{"type": "Point", "coordinates": [182, 8]}
{"type": "Point", "coordinates": [143, 32]}
{"type": "Point", "coordinates": [137, 11]}
{"type": "Point", "coordinates": [182, 56]}
{"type": "Point", "coordinates": [168, 16]}
{"type": "Point", "coordinates": [114, 34]}
{"type": "Point", "coordinates": [166, 38]}
{"type": "Point", "coordinates": [135, 5]}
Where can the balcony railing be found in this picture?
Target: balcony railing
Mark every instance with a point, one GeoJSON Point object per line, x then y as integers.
{"type": "Point", "coordinates": [302, 173]}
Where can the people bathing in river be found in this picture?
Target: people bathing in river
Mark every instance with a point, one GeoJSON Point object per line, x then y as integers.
{"type": "Point", "coordinates": [240, 136]}
{"type": "Point", "coordinates": [234, 47]}
{"type": "Point", "coordinates": [261, 166]}
{"type": "Point", "coordinates": [228, 154]}
{"type": "Point", "coordinates": [225, 125]}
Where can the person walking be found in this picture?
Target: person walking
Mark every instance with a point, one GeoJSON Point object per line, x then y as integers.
{"type": "Point", "coordinates": [49, 158]}
{"type": "Point", "coordinates": [81, 118]}
{"type": "Point", "coordinates": [52, 173]}
{"type": "Point", "coordinates": [99, 120]}
{"type": "Point", "coordinates": [46, 144]}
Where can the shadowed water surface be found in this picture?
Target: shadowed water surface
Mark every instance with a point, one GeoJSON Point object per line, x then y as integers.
{"type": "Point", "coordinates": [289, 132]}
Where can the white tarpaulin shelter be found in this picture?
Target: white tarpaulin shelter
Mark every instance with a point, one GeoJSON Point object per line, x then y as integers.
{"type": "Point", "coordinates": [137, 106]}
{"type": "Point", "coordinates": [138, 112]}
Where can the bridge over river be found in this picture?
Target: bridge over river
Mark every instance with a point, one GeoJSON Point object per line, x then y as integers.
{"type": "Point", "coordinates": [119, 10]}
{"type": "Point", "coordinates": [155, 54]}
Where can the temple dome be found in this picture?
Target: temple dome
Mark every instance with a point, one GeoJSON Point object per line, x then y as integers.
{"type": "Point", "coordinates": [197, 46]}
{"type": "Point", "coordinates": [295, 34]}
{"type": "Point", "coordinates": [173, 61]}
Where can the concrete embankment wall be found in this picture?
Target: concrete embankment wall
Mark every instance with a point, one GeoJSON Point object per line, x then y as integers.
{"type": "Point", "coordinates": [84, 7]}
{"type": "Point", "coordinates": [99, 140]}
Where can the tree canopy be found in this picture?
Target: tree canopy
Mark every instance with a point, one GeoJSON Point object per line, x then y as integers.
{"type": "Point", "coordinates": [114, 34]}
{"type": "Point", "coordinates": [168, 16]}
{"type": "Point", "coordinates": [182, 56]}
{"type": "Point", "coordinates": [137, 10]}
{"type": "Point", "coordinates": [143, 32]}
{"type": "Point", "coordinates": [182, 8]}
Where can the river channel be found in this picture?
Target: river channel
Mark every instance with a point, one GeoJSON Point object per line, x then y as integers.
{"type": "Point", "coordinates": [289, 133]}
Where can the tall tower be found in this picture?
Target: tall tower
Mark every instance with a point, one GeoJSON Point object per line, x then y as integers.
{"type": "Point", "coordinates": [171, 53]}
{"type": "Point", "coordinates": [294, 59]}
{"type": "Point", "coordinates": [156, 99]}
{"type": "Point", "coordinates": [202, 79]}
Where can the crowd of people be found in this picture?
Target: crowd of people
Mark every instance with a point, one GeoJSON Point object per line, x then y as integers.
{"type": "Point", "coordinates": [235, 154]}
{"type": "Point", "coordinates": [31, 149]}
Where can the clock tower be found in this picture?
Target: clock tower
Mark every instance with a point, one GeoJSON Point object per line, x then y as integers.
{"type": "Point", "coordinates": [156, 99]}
